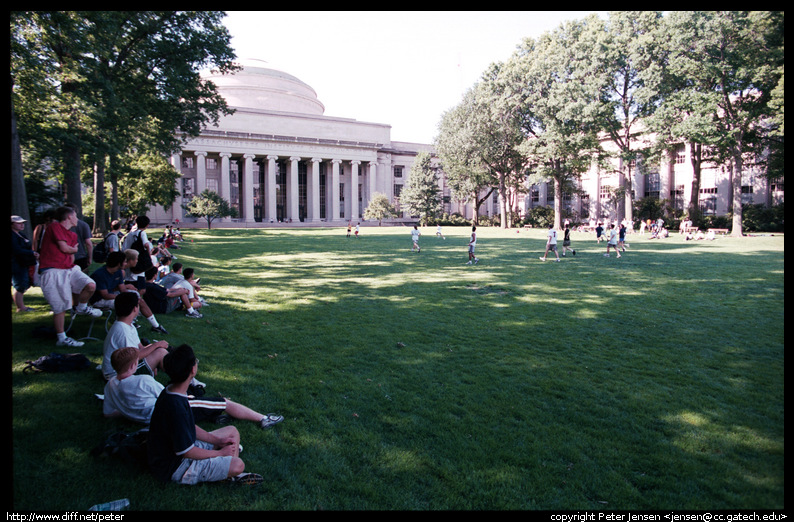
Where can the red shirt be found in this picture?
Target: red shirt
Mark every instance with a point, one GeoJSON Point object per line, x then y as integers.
{"type": "Point", "coordinates": [50, 256]}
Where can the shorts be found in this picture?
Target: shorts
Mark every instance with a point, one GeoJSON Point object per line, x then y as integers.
{"type": "Point", "coordinates": [20, 278]}
{"type": "Point", "coordinates": [552, 247]}
{"type": "Point", "coordinates": [58, 285]}
{"type": "Point", "coordinates": [192, 471]}
{"type": "Point", "coordinates": [566, 242]}
{"type": "Point", "coordinates": [173, 303]}
{"type": "Point", "coordinates": [207, 408]}
{"type": "Point", "coordinates": [471, 249]}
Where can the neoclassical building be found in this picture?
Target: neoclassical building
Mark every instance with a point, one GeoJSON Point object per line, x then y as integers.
{"type": "Point", "coordinates": [278, 158]}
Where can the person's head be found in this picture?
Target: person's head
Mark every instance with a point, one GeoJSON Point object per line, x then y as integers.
{"type": "Point", "coordinates": [188, 273]}
{"type": "Point", "coordinates": [473, 228]}
{"type": "Point", "coordinates": [142, 222]}
{"type": "Point", "coordinates": [115, 260]}
{"type": "Point", "coordinates": [177, 268]}
{"type": "Point", "coordinates": [151, 273]}
{"type": "Point", "coordinates": [179, 363]}
{"type": "Point", "coordinates": [124, 359]}
{"type": "Point", "coordinates": [115, 225]}
{"type": "Point", "coordinates": [165, 261]}
{"type": "Point", "coordinates": [17, 223]}
{"type": "Point", "coordinates": [125, 303]}
{"type": "Point", "coordinates": [131, 256]}
{"type": "Point", "coordinates": [66, 216]}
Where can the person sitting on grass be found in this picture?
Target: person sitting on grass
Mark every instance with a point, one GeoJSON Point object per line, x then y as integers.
{"type": "Point", "coordinates": [109, 282]}
{"type": "Point", "coordinates": [165, 301]}
{"type": "Point", "coordinates": [133, 397]}
{"type": "Point", "coordinates": [175, 278]}
{"type": "Point", "coordinates": [123, 333]}
{"type": "Point", "coordinates": [179, 450]}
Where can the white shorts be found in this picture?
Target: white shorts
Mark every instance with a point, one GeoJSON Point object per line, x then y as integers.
{"type": "Point", "coordinates": [192, 472]}
{"type": "Point", "coordinates": [58, 285]}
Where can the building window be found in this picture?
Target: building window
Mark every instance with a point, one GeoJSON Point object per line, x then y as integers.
{"type": "Point", "coordinates": [680, 154]}
{"type": "Point", "coordinates": [398, 171]}
{"type": "Point", "coordinates": [708, 201]}
{"type": "Point", "coordinates": [187, 163]}
{"type": "Point", "coordinates": [652, 183]}
{"type": "Point", "coordinates": [677, 196]}
{"type": "Point", "coordinates": [212, 164]}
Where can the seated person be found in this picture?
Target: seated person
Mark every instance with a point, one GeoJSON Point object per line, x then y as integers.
{"type": "Point", "coordinates": [190, 277]}
{"type": "Point", "coordinates": [162, 300]}
{"type": "Point", "coordinates": [123, 334]}
{"type": "Point", "coordinates": [164, 269]}
{"type": "Point", "coordinates": [110, 283]}
{"type": "Point", "coordinates": [179, 450]}
{"type": "Point", "coordinates": [176, 279]}
{"type": "Point", "coordinates": [133, 396]}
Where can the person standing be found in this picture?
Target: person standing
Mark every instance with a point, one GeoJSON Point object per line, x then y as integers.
{"type": "Point", "coordinates": [415, 239]}
{"type": "Point", "coordinates": [438, 231]}
{"type": "Point", "coordinates": [60, 277]}
{"type": "Point", "coordinates": [551, 244]}
{"type": "Point", "coordinates": [22, 259]}
{"type": "Point", "coordinates": [472, 245]}
{"type": "Point", "coordinates": [612, 241]}
{"type": "Point", "coordinates": [566, 241]}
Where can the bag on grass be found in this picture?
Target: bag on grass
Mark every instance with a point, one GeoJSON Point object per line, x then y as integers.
{"type": "Point", "coordinates": [128, 447]}
{"type": "Point", "coordinates": [58, 362]}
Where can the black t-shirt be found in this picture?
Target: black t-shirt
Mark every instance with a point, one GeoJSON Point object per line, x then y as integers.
{"type": "Point", "coordinates": [156, 297]}
{"type": "Point", "coordinates": [172, 433]}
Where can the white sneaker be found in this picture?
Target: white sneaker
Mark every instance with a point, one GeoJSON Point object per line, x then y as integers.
{"type": "Point", "coordinates": [70, 342]}
{"type": "Point", "coordinates": [194, 314]}
{"type": "Point", "coordinates": [89, 310]}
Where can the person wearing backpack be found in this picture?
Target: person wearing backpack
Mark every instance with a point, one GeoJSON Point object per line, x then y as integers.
{"type": "Point", "coordinates": [138, 241]}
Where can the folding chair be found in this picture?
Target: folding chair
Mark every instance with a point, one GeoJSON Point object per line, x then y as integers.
{"type": "Point", "coordinates": [91, 326]}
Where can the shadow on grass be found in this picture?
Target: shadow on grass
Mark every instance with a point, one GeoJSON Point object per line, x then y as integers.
{"type": "Point", "coordinates": [413, 381]}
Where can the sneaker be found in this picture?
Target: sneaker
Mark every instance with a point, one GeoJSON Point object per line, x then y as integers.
{"type": "Point", "coordinates": [468, 263]}
{"type": "Point", "coordinates": [542, 258]}
{"type": "Point", "coordinates": [198, 383]}
{"type": "Point", "coordinates": [247, 479]}
{"type": "Point", "coordinates": [269, 420]}
{"type": "Point", "coordinates": [574, 252]}
{"type": "Point", "coordinates": [194, 314]}
{"type": "Point", "coordinates": [558, 260]}
{"type": "Point", "coordinates": [70, 342]}
{"type": "Point", "coordinates": [159, 329]}
{"type": "Point", "coordinates": [476, 260]}
{"type": "Point", "coordinates": [89, 310]}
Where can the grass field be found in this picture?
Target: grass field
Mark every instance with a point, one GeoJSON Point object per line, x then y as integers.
{"type": "Point", "coordinates": [411, 381]}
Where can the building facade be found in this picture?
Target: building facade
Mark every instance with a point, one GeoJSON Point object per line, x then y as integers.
{"type": "Point", "coordinates": [279, 159]}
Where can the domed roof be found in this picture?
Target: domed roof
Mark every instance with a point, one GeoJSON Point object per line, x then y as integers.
{"type": "Point", "coordinates": [259, 86]}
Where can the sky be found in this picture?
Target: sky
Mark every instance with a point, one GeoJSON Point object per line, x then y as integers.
{"type": "Point", "coordinates": [401, 68]}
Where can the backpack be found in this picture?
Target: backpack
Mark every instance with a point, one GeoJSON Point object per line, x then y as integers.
{"type": "Point", "coordinates": [101, 251]}
{"type": "Point", "coordinates": [144, 258]}
{"type": "Point", "coordinates": [131, 448]}
{"type": "Point", "coordinates": [58, 362]}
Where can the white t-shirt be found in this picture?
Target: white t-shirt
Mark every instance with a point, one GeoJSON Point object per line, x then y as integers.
{"type": "Point", "coordinates": [134, 397]}
{"type": "Point", "coordinates": [120, 335]}
{"type": "Point", "coordinates": [415, 235]}
{"type": "Point", "coordinates": [552, 237]}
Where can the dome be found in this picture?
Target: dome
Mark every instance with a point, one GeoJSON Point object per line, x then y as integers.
{"type": "Point", "coordinates": [258, 86]}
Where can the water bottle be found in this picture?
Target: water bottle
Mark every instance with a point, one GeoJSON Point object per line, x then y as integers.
{"type": "Point", "coordinates": [116, 505]}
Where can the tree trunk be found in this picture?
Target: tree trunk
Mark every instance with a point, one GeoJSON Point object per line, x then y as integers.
{"type": "Point", "coordinates": [694, 196]}
{"type": "Point", "coordinates": [71, 176]}
{"type": "Point", "coordinates": [19, 196]}
{"type": "Point", "coordinates": [100, 221]}
{"type": "Point", "coordinates": [736, 177]}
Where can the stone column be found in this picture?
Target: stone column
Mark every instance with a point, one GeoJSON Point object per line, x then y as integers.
{"type": "Point", "coordinates": [177, 212]}
{"type": "Point", "coordinates": [270, 189]}
{"type": "Point", "coordinates": [373, 180]}
{"type": "Point", "coordinates": [354, 189]}
{"type": "Point", "coordinates": [334, 210]}
{"type": "Point", "coordinates": [314, 191]}
{"type": "Point", "coordinates": [247, 194]}
{"type": "Point", "coordinates": [201, 171]}
{"type": "Point", "coordinates": [292, 190]}
{"type": "Point", "coordinates": [225, 187]}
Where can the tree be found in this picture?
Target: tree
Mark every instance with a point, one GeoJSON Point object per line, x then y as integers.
{"type": "Point", "coordinates": [421, 195]}
{"type": "Point", "coordinates": [210, 206]}
{"type": "Point", "coordinates": [467, 174]}
{"type": "Point", "coordinates": [117, 81]}
{"type": "Point", "coordinates": [379, 208]}
{"type": "Point", "coordinates": [626, 48]}
{"type": "Point", "coordinates": [560, 104]}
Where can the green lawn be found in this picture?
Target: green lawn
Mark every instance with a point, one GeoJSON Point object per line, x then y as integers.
{"type": "Point", "coordinates": [412, 381]}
